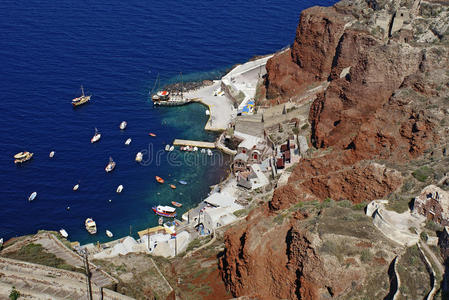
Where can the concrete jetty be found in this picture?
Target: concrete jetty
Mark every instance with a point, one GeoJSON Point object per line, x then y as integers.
{"type": "Point", "coordinates": [190, 143]}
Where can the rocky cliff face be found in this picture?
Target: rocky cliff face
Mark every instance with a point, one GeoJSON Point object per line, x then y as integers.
{"type": "Point", "coordinates": [387, 100]}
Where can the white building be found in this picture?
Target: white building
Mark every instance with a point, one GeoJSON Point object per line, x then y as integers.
{"type": "Point", "coordinates": [216, 217]}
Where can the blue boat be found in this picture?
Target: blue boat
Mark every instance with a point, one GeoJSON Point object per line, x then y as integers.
{"type": "Point", "coordinates": [182, 182]}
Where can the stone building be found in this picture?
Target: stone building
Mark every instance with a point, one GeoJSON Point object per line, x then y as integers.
{"type": "Point", "coordinates": [433, 203]}
{"type": "Point", "coordinates": [252, 150]}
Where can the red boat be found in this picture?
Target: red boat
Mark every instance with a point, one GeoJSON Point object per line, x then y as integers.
{"type": "Point", "coordinates": [152, 134]}
{"type": "Point", "coordinates": [173, 186]}
{"type": "Point", "coordinates": [177, 204]}
{"type": "Point", "coordinates": [160, 180]}
{"type": "Point", "coordinates": [165, 211]}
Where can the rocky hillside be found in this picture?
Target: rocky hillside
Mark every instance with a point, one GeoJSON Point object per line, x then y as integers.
{"type": "Point", "coordinates": [382, 117]}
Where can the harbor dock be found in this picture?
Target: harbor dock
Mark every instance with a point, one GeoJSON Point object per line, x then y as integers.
{"type": "Point", "coordinates": [199, 144]}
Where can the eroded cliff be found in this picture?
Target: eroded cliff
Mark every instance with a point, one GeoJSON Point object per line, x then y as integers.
{"type": "Point", "coordinates": [382, 114]}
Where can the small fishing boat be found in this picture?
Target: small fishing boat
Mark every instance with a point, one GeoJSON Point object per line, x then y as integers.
{"type": "Point", "coordinates": [119, 189]}
{"type": "Point", "coordinates": [160, 180]}
{"type": "Point", "coordinates": [167, 147]}
{"type": "Point", "coordinates": [109, 234]}
{"type": "Point", "coordinates": [110, 166]}
{"type": "Point", "coordinates": [123, 125]}
{"type": "Point", "coordinates": [171, 148]}
{"type": "Point", "coordinates": [160, 221]}
{"type": "Point", "coordinates": [52, 153]}
{"type": "Point", "coordinates": [81, 99]}
{"type": "Point", "coordinates": [183, 182]}
{"type": "Point", "coordinates": [151, 134]}
{"type": "Point", "coordinates": [32, 196]}
{"type": "Point", "coordinates": [177, 204]}
{"type": "Point", "coordinates": [76, 187]}
{"type": "Point", "coordinates": [22, 157]}
{"type": "Point", "coordinates": [63, 233]}
{"type": "Point", "coordinates": [207, 112]}
{"type": "Point", "coordinates": [91, 227]}
{"type": "Point", "coordinates": [195, 148]}
{"type": "Point", "coordinates": [203, 150]}
{"type": "Point", "coordinates": [165, 211]}
{"type": "Point", "coordinates": [139, 156]}
{"type": "Point", "coordinates": [128, 141]}
{"type": "Point", "coordinates": [209, 152]}
{"type": "Point", "coordinates": [96, 137]}
{"type": "Point", "coordinates": [173, 186]}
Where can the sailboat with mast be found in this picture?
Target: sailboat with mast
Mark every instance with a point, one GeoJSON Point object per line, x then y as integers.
{"type": "Point", "coordinates": [81, 99]}
{"type": "Point", "coordinates": [165, 98]}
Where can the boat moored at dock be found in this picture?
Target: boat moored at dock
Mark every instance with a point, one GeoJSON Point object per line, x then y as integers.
{"type": "Point", "coordinates": [164, 211]}
{"type": "Point", "coordinates": [109, 234]}
{"type": "Point", "coordinates": [22, 157]}
{"type": "Point", "coordinates": [63, 233]}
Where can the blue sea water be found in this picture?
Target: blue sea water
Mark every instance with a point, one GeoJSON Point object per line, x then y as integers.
{"type": "Point", "coordinates": [115, 49]}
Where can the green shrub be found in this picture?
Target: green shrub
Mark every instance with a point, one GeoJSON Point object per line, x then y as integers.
{"type": "Point", "coordinates": [305, 126]}
{"type": "Point", "coordinates": [295, 130]}
{"type": "Point", "coordinates": [15, 294]}
{"type": "Point", "coordinates": [344, 203]}
{"type": "Point", "coordinates": [366, 256]}
{"type": "Point", "coordinates": [424, 236]}
{"type": "Point", "coordinates": [431, 225]}
{"type": "Point", "coordinates": [422, 173]}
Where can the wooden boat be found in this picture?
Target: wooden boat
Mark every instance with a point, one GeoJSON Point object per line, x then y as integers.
{"type": "Point", "coordinates": [173, 186]}
{"type": "Point", "coordinates": [63, 233]}
{"type": "Point", "coordinates": [164, 98]}
{"type": "Point", "coordinates": [96, 137]}
{"type": "Point", "coordinates": [109, 234]}
{"type": "Point", "coordinates": [177, 204]}
{"type": "Point", "coordinates": [81, 99]}
{"type": "Point", "coordinates": [128, 141]}
{"type": "Point", "coordinates": [91, 227]}
{"type": "Point", "coordinates": [139, 156]}
{"type": "Point", "coordinates": [110, 166]}
{"type": "Point", "coordinates": [119, 189]}
{"type": "Point", "coordinates": [32, 196]}
{"type": "Point", "coordinates": [52, 153]}
{"type": "Point", "coordinates": [123, 125]}
{"type": "Point", "coordinates": [76, 187]}
{"type": "Point", "coordinates": [165, 211]}
{"type": "Point", "coordinates": [159, 179]}
{"type": "Point", "coordinates": [182, 182]}
{"type": "Point", "coordinates": [152, 134]}
{"type": "Point", "coordinates": [22, 157]}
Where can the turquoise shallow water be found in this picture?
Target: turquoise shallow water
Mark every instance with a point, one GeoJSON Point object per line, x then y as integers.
{"type": "Point", "coordinates": [115, 49]}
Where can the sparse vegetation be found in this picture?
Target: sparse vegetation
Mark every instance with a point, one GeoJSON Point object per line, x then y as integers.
{"type": "Point", "coordinates": [422, 173]}
{"type": "Point", "coordinates": [35, 253]}
{"type": "Point", "coordinates": [14, 294]}
{"type": "Point", "coordinates": [431, 225]}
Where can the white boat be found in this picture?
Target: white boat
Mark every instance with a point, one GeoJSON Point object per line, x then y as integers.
{"type": "Point", "coordinates": [123, 125]}
{"type": "Point", "coordinates": [171, 148]}
{"type": "Point", "coordinates": [91, 227]}
{"type": "Point", "coordinates": [96, 136]}
{"type": "Point", "coordinates": [1, 243]}
{"type": "Point", "coordinates": [203, 150]}
{"type": "Point", "coordinates": [167, 147]}
{"type": "Point", "coordinates": [195, 148]}
{"type": "Point", "coordinates": [63, 233]}
{"type": "Point", "coordinates": [128, 141]}
{"type": "Point", "coordinates": [161, 220]}
{"type": "Point", "coordinates": [209, 152]}
{"type": "Point", "coordinates": [207, 112]}
{"type": "Point", "coordinates": [109, 234]}
{"type": "Point", "coordinates": [52, 153]}
{"type": "Point", "coordinates": [76, 187]}
{"type": "Point", "coordinates": [110, 166]}
{"type": "Point", "coordinates": [119, 189]}
{"type": "Point", "coordinates": [32, 196]}
{"type": "Point", "coordinates": [139, 156]}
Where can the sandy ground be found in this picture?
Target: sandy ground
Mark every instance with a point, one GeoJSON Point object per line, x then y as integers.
{"type": "Point", "coordinates": [221, 109]}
